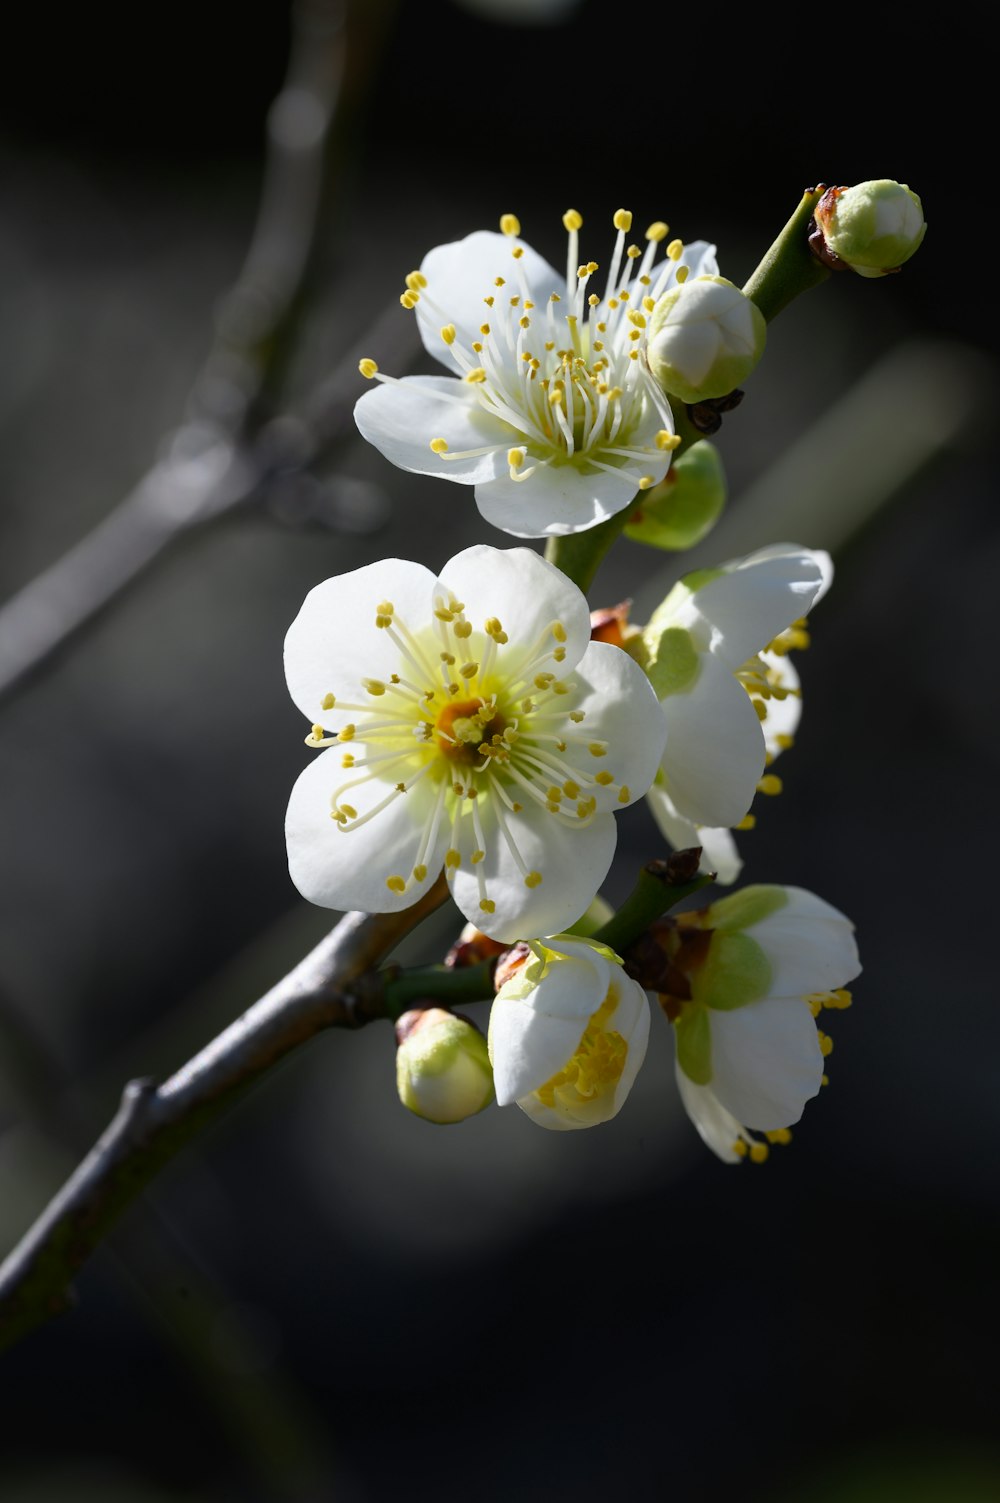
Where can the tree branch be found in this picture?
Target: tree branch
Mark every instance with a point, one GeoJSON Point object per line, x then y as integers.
{"type": "Point", "coordinates": [335, 986]}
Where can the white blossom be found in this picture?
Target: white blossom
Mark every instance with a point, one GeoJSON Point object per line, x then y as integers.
{"type": "Point", "coordinates": [549, 409]}
{"type": "Point", "coordinates": [568, 1033]}
{"type": "Point", "coordinates": [468, 723]}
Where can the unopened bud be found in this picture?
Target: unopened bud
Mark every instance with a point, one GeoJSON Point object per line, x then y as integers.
{"type": "Point", "coordinates": [705, 337]}
{"type": "Point", "coordinates": [443, 1071]}
{"type": "Point", "coordinates": [682, 510]}
{"type": "Point", "coordinates": [873, 227]}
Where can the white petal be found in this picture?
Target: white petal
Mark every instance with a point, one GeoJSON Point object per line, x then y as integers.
{"type": "Point", "coordinates": [402, 417]}
{"type": "Point", "coordinates": [718, 1128]}
{"type": "Point", "coordinates": [333, 643]}
{"type": "Point", "coordinates": [526, 594]}
{"type": "Point", "coordinates": [572, 859]}
{"type": "Point", "coordinates": [766, 1061]}
{"type": "Point", "coordinates": [715, 747]}
{"type": "Point", "coordinates": [559, 498]}
{"type": "Point", "coordinates": [810, 946]}
{"type": "Point", "coordinates": [718, 848]}
{"type": "Point", "coordinates": [619, 707]}
{"type": "Point", "coordinates": [783, 715]}
{"type": "Point", "coordinates": [755, 599]}
{"type": "Point", "coordinates": [461, 274]}
{"type": "Point", "coordinates": [532, 1037]}
{"type": "Point", "coordinates": [347, 868]}
{"type": "Point", "coordinates": [699, 257]}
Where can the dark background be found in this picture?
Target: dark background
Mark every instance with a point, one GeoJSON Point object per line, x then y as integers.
{"type": "Point", "coordinates": [326, 1298]}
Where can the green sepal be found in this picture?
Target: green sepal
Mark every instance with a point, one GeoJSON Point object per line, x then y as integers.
{"type": "Point", "coordinates": [684, 508]}
{"type": "Point", "coordinates": [694, 1043]}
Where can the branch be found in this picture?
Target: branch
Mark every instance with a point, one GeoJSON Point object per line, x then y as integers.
{"type": "Point", "coordinates": [335, 986]}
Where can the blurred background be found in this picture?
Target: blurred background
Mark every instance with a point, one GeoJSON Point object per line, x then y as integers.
{"type": "Point", "coordinates": [326, 1298]}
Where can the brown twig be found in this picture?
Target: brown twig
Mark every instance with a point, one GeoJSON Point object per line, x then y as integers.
{"type": "Point", "coordinates": [335, 986]}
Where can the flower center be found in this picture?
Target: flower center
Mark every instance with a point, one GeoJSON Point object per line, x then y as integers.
{"type": "Point", "coordinates": [595, 1068]}
{"type": "Point", "coordinates": [464, 725]}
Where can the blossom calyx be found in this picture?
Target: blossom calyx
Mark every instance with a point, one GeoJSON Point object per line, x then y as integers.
{"type": "Point", "coordinates": [705, 337]}
{"type": "Point", "coordinates": [872, 228]}
{"type": "Point", "coordinates": [568, 1033]}
{"type": "Point", "coordinates": [442, 1065]}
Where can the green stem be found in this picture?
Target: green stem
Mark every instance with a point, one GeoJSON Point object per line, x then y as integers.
{"type": "Point", "coordinates": [437, 983]}
{"type": "Point", "coordinates": [657, 889]}
{"type": "Point", "coordinates": [789, 267]}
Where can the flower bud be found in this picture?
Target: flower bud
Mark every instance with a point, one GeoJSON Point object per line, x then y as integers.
{"type": "Point", "coordinates": [685, 506]}
{"type": "Point", "coordinates": [705, 337]}
{"type": "Point", "coordinates": [443, 1069]}
{"type": "Point", "coordinates": [568, 1032]}
{"type": "Point", "coordinates": [873, 227]}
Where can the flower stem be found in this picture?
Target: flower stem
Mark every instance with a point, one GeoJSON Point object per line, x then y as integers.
{"type": "Point", "coordinates": [661, 885]}
{"type": "Point", "coordinates": [437, 983]}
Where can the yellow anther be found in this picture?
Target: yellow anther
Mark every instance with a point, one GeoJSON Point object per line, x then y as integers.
{"type": "Point", "coordinates": [604, 778]}
{"type": "Point", "coordinates": [462, 629]}
{"type": "Point", "coordinates": [327, 702]}
{"type": "Point", "coordinates": [571, 789]}
{"type": "Point", "coordinates": [453, 858]}
{"type": "Point", "coordinates": [625, 796]}
{"type": "Point", "coordinates": [759, 1153]}
{"type": "Point", "coordinates": [487, 905]}
{"type": "Point", "coordinates": [658, 231]}
{"type": "Point", "coordinates": [439, 445]}
{"type": "Point", "coordinates": [415, 281]}
{"type": "Point", "coordinates": [497, 282]}
{"type": "Point", "coordinates": [396, 884]}
{"type": "Point", "coordinates": [469, 670]}
{"type": "Point", "coordinates": [517, 252]}
{"type": "Point", "coordinates": [623, 220]}
{"type": "Point", "coordinates": [484, 328]}
{"type": "Point", "coordinates": [493, 628]}
{"type": "Point", "coordinates": [409, 299]}
{"type": "Point", "coordinates": [374, 686]}
{"type": "Point", "coordinates": [779, 1135]}
{"type": "Point", "coordinates": [593, 300]}
{"type": "Point", "coordinates": [349, 810]}
{"type": "Point", "coordinates": [669, 441]}
{"type": "Point", "coordinates": [525, 322]}
{"type": "Point", "coordinates": [316, 734]}
{"type": "Point", "coordinates": [515, 458]}
{"type": "Point", "coordinates": [347, 760]}
{"type": "Point", "coordinates": [683, 272]}
{"type": "Point", "coordinates": [824, 1080]}
{"type": "Point", "coordinates": [784, 740]}
{"type": "Point", "coordinates": [761, 709]}
{"type": "Point", "coordinates": [367, 368]}
{"type": "Point", "coordinates": [825, 1043]}
{"type": "Point", "coordinates": [476, 376]}
{"type": "Point", "coordinates": [533, 879]}
{"type": "Point", "coordinates": [597, 749]}
{"type": "Point", "coordinates": [347, 734]}
{"type": "Point", "coordinates": [559, 631]}
{"type": "Point", "coordinates": [477, 856]}
{"type": "Point", "coordinates": [576, 716]}
{"type": "Point", "coordinates": [419, 873]}
{"type": "Point", "coordinates": [645, 481]}
{"type": "Point", "coordinates": [489, 301]}
{"type": "Point", "coordinates": [770, 784]}
{"type": "Point", "coordinates": [510, 224]}
{"type": "Point", "coordinates": [448, 333]}
{"type": "Point", "coordinates": [649, 303]}
{"type": "Point", "coordinates": [843, 999]}
{"type": "Point", "coordinates": [739, 1147]}
{"type": "Point", "coordinates": [637, 318]}
{"type": "Point", "coordinates": [633, 253]}
{"type": "Point", "coordinates": [559, 654]}
{"type": "Point", "coordinates": [572, 220]}
{"type": "Point", "coordinates": [747, 822]}
{"type": "Point", "coordinates": [675, 249]}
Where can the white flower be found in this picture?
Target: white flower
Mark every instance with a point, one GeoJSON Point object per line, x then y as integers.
{"type": "Point", "coordinates": [549, 410]}
{"type": "Point", "coordinates": [716, 653]}
{"type": "Point", "coordinates": [469, 723]}
{"type": "Point", "coordinates": [567, 1034]}
{"type": "Point", "coordinates": [749, 976]}
{"type": "Point", "coordinates": [705, 337]}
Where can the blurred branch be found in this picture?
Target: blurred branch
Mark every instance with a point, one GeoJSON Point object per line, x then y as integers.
{"type": "Point", "coordinates": [225, 454]}
{"type": "Point", "coordinates": [333, 987]}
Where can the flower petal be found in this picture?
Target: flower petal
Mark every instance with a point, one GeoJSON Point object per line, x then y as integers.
{"type": "Point", "coordinates": [620, 708]}
{"type": "Point", "coordinates": [783, 715]}
{"type": "Point", "coordinates": [532, 1037]}
{"type": "Point", "coordinates": [348, 867]}
{"type": "Point", "coordinates": [766, 1061]}
{"type": "Point", "coordinates": [715, 747]}
{"type": "Point", "coordinates": [719, 1129]}
{"type": "Point", "coordinates": [573, 860]}
{"type": "Point", "coordinates": [526, 594]}
{"type": "Point", "coordinates": [810, 945]}
{"type": "Point", "coordinates": [461, 274]}
{"type": "Point", "coordinates": [739, 611]}
{"type": "Point", "coordinates": [559, 498]}
{"type": "Point", "coordinates": [402, 417]}
{"type": "Point", "coordinates": [333, 643]}
{"type": "Point", "coordinates": [718, 848]}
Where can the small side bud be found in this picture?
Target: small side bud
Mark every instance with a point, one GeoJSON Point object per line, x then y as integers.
{"type": "Point", "coordinates": [443, 1071]}
{"type": "Point", "coordinates": [705, 337]}
{"type": "Point", "coordinates": [872, 228]}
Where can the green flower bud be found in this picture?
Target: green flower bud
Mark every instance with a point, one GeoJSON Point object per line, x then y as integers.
{"type": "Point", "coordinates": [873, 227]}
{"type": "Point", "coordinates": [443, 1071]}
{"type": "Point", "coordinates": [705, 337]}
{"type": "Point", "coordinates": [684, 507]}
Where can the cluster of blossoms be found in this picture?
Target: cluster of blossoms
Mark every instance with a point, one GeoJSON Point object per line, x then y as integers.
{"type": "Point", "coordinates": [475, 723]}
